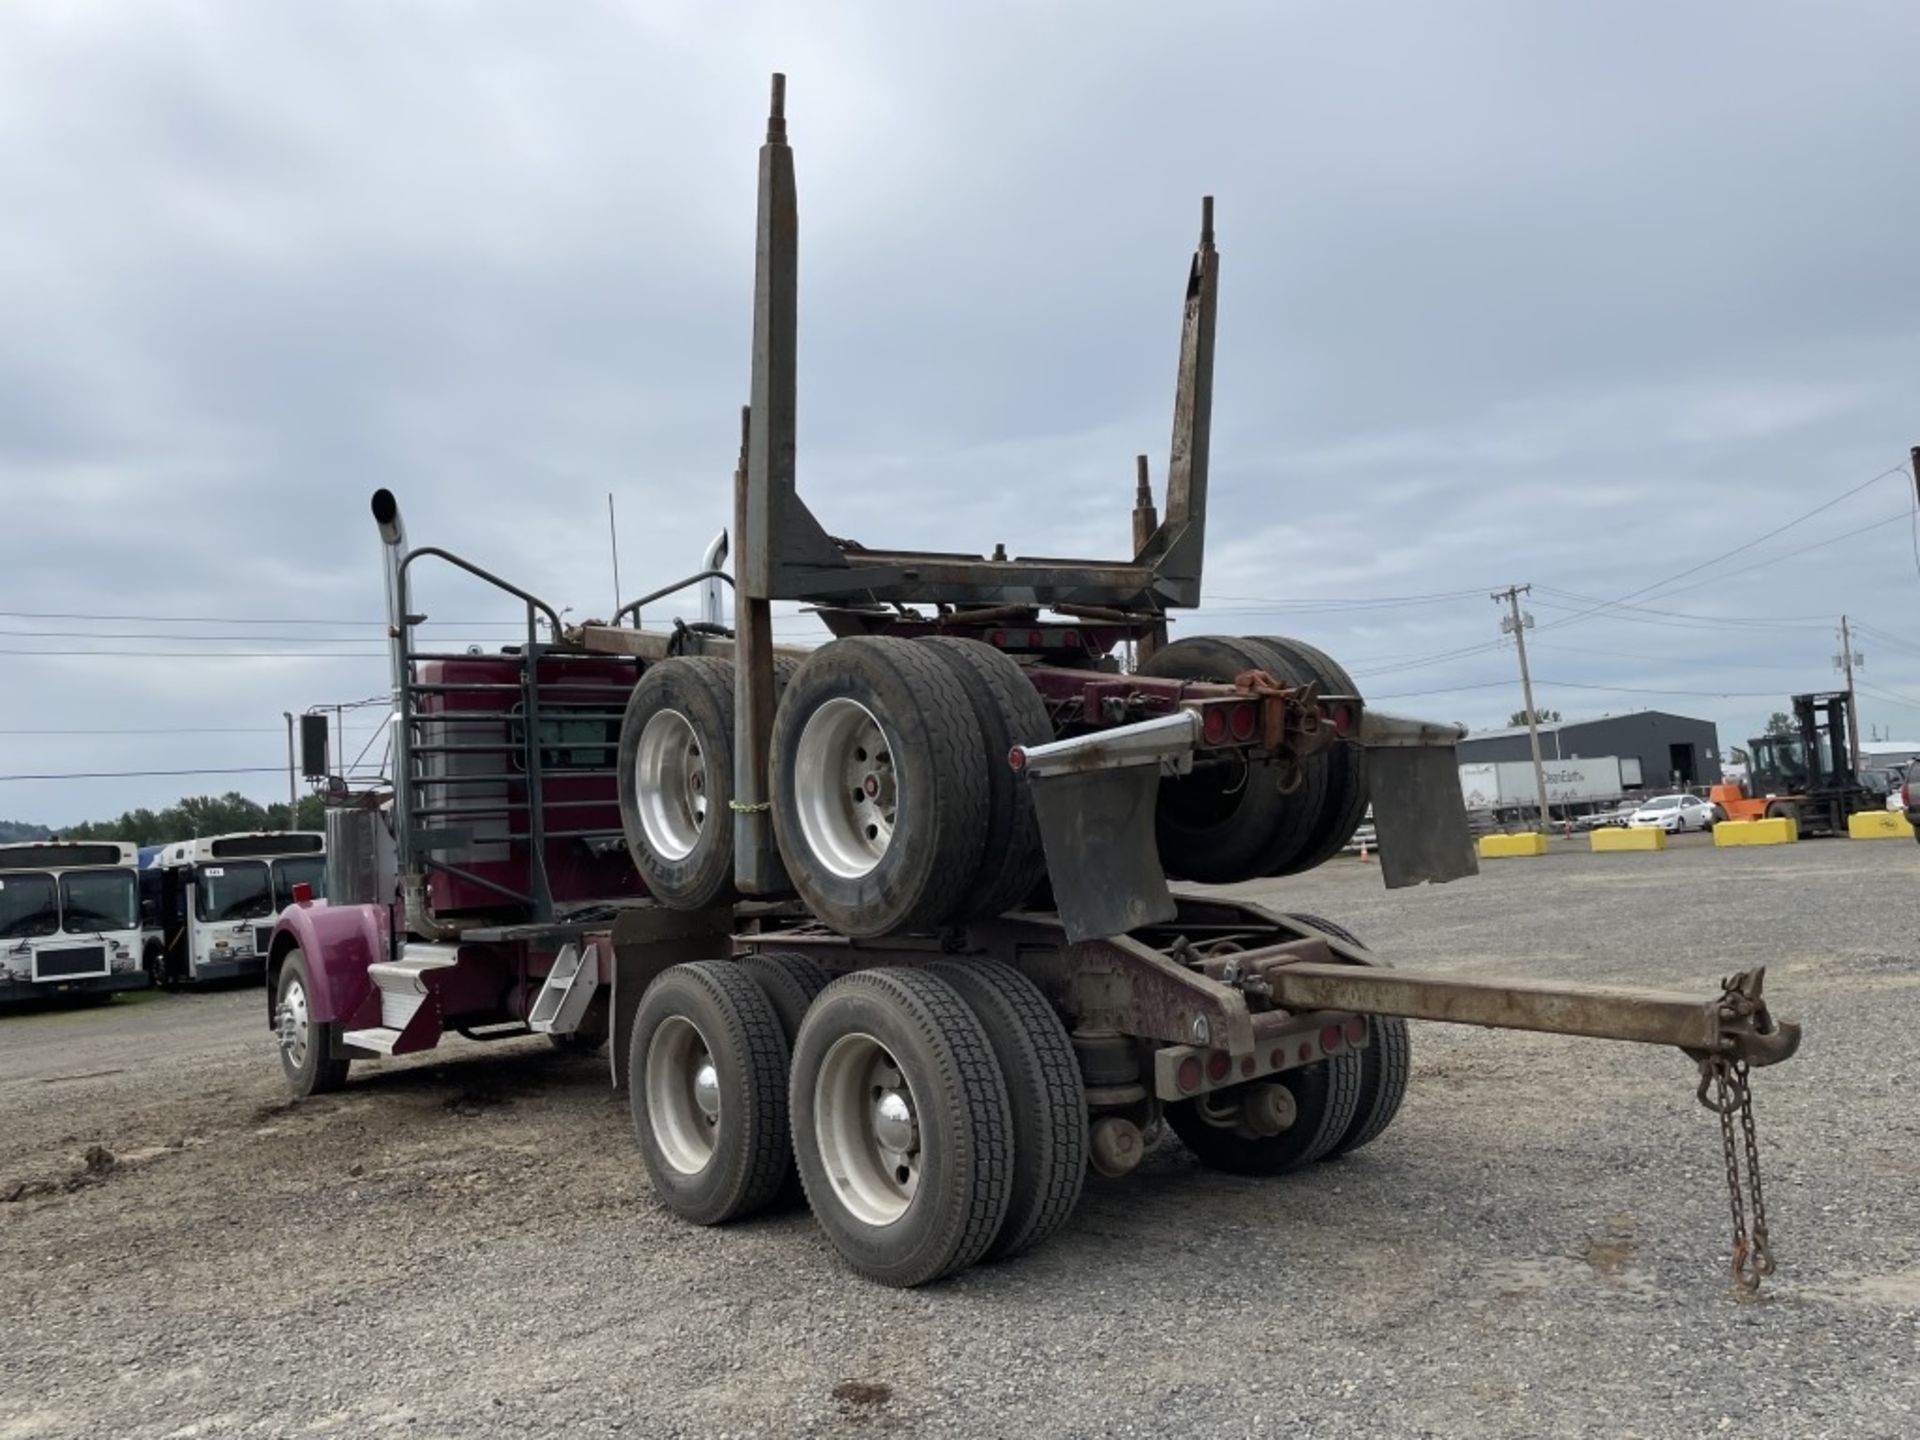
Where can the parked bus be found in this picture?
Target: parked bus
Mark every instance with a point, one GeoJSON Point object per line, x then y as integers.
{"type": "Point", "coordinates": [69, 919]}
{"type": "Point", "coordinates": [209, 904]}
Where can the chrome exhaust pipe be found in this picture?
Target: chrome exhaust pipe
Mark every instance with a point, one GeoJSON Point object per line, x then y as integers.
{"type": "Point", "coordinates": [393, 538]}
{"type": "Point", "coordinates": [711, 611]}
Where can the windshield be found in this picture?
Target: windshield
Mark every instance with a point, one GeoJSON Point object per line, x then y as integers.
{"type": "Point", "coordinates": [27, 906]}
{"type": "Point", "coordinates": [1664, 802]}
{"type": "Point", "coordinates": [302, 870]}
{"type": "Point", "coordinates": [236, 890]}
{"type": "Point", "coordinates": [93, 900]}
{"type": "Point", "coordinates": [1780, 760]}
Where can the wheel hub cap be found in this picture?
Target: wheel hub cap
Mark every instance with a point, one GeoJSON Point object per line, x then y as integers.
{"type": "Point", "coordinates": [683, 1094]}
{"type": "Point", "coordinates": [670, 785]}
{"type": "Point", "coordinates": [846, 788]}
{"type": "Point", "coordinates": [292, 1024]}
{"type": "Point", "coordinates": [867, 1128]}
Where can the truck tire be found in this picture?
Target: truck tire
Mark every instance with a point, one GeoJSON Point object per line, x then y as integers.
{"type": "Point", "coordinates": [1345, 762]}
{"type": "Point", "coordinates": [707, 1085]}
{"type": "Point", "coordinates": [879, 785]}
{"type": "Point", "coordinates": [792, 982]}
{"type": "Point", "coordinates": [1325, 1095]}
{"type": "Point", "coordinates": [902, 1127]}
{"type": "Point", "coordinates": [1230, 822]}
{"type": "Point", "coordinates": [305, 1044]}
{"type": "Point", "coordinates": [676, 777]}
{"type": "Point", "coordinates": [1010, 712]}
{"type": "Point", "coordinates": [1385, 1064]}
{"type": "Point", "coordinates": [1047, 1097]}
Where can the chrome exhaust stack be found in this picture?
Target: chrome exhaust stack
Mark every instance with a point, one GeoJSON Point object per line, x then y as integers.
{"type": "Point", "coordinates": [711, 609]}
{"type": "Point", "coordinates": [393, 537]}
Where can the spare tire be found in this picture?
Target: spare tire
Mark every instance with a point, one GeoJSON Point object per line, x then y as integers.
{"type": "Point", "coordinates": [676, 778]}
{"type": "Point", "coordinates": [879, 786]}
{"type": "Point", "coordinates": [1345, 761]}
{"type": "Point", "coordinates": [1010, 712]}
{"type": "Point", "coordinates": [1229, 820]}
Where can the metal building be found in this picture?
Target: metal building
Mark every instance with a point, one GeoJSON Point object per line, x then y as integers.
{"type": "Point", "coordinates": [1674, 751]}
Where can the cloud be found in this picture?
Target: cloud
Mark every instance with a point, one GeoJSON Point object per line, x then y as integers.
{"type": "Point", "coordinates": [1510, 292]}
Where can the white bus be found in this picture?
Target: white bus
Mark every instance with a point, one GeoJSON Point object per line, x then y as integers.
{"type": "Point", "coordinates": [209, 904]}
{"type": "Point", "coordinates": [69, 918]}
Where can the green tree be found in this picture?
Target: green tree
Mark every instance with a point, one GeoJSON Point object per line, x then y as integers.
{"type": "Point", "coordinates": [1541, 717]}
{"type": "Point", "coordinates": [196, 815]}
{"type": "Point", "coordinates": [1780, 723]}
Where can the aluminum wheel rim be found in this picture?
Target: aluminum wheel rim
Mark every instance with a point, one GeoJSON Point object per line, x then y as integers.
{"type": "Point", "coordinates": [866, 1127]}
{"type": "Point", "coordinates": [846, 788]}
{"type": "Point", "coordinates": [670, 785]}
{"type": "Point", "coordinates": [292, 1026]}
{"type": "Point", "coordinates": [683, 1094]}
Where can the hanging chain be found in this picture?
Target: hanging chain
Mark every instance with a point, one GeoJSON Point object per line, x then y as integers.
{"type": "Point", "coordinates": [1752, 1251]}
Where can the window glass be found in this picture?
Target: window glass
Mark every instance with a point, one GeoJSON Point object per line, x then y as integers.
{"type": "Point", "coordinates": [233, 890]}
{"type": "Point", "coordinates": [303, 870]}
{"type": "Point", "coordinates": [27, 907]}
{"type": "Point", "coordinates": [93, 900]}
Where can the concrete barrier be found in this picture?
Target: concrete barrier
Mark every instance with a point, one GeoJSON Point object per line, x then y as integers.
{"type": "Point", "coordinates": [1879, 825]}
{"type": "Point", "coordinates": [1614, 837]}
{"type": "Point", "coordinates": [1779, 831]}
{"type": "Point", "coordinates": [1511, 847]}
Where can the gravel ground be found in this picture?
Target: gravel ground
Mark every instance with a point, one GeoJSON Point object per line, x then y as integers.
{"type": "Point", "coordinates": [465, 1244]}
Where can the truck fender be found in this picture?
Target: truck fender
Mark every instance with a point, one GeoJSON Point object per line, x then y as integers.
{"type": "Point", "coordinates": [339, 943]}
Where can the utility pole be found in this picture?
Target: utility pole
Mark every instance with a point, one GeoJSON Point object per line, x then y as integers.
{"type": "Point", "coordinates": [613, 543]}
{"type": "Point", "coordinates": [1847, 660]}
{"type": "Point", "coordinates": [1516, 624]}
{"type": "Point", "coordinates": [292, 790]}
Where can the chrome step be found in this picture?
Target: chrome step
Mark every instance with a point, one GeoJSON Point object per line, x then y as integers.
{"type": "Point", "coordinates": [569, 988]}
{"type": "Point", "coordinates": [380, 1039]}
{"type": "Point", "coordinates": [402, 983]}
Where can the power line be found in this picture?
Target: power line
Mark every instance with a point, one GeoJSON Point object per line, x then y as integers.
{"type": "Point", "coordinates": [1736, 550]}
{"type": "Point", "coordinates": [148, 774]}
{"type": "Point", "coordinates": [180, 730]}
{"type": "Point", "coordinates": [195, 639]}
{"type": "Point", "coordinates": [1748, 622]}
{"type": "Point", "coordinates": [240, 619]}
{"type": "Point", "coordinates": [209, 654]}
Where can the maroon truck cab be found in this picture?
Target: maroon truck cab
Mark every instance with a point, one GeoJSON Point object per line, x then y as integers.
{"type": "Point", "coordinates": [472, 789]}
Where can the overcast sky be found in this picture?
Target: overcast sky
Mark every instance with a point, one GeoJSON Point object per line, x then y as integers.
{"type": "Point", "coordinates": [1580, 295]}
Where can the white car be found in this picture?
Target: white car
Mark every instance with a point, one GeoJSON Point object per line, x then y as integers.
{"type": "Point", "coordinates": [1673, 813]}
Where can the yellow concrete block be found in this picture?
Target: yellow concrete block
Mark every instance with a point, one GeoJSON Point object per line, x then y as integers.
{"type": "Point", "coordinates": [1614, 837]}
{"type": "Point", "coordinates": [1781, 831]}
{"type": "Point", "coordinates": [1879, 825]}
{"type": "Point", "coordinates": [1509, 847]}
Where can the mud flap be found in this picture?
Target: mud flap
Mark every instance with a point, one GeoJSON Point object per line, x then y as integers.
{"type": "Point", "coordinates": [1420, 815]}
{"type": "Point", "coordinates": [646, 940]}
{"type": "Point", "coordinates": [1102, 860]}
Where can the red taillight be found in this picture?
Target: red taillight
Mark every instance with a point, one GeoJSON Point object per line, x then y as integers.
{"type": "Point", "coordinates": [1189, 1073]}
{"type": "Point", "coordinates": [1213, 725]}
{"type": "Point", "coordinates": [1241, 722]}
{"type": "Point", "coordinates": [1035, 640]}
{"type": "Point", "coordinates": [1017, 758]}
{"type": "Point", "coordinates": [1342, 719]}
{"type": "Point", "coordinates": [1330, 1037]}
{"type": "Point", "coordinates": [1000, 639]}
{"type": "Point", "coordinates": [1219, 1063]}
{"type": "Point", "coordinates": [302, 893]}
{"type": "Point", "coordinates": [1356, 1029]}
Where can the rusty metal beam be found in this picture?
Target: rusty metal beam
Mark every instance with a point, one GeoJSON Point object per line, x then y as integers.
{"type": "Point", "coordinates": [1603, 1012]}
{"type": "Point", "coordinates": [1178, 548]}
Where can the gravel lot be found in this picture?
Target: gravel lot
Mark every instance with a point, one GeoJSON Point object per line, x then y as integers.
{"type": "Point", "coordinates": [465, 1244]}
